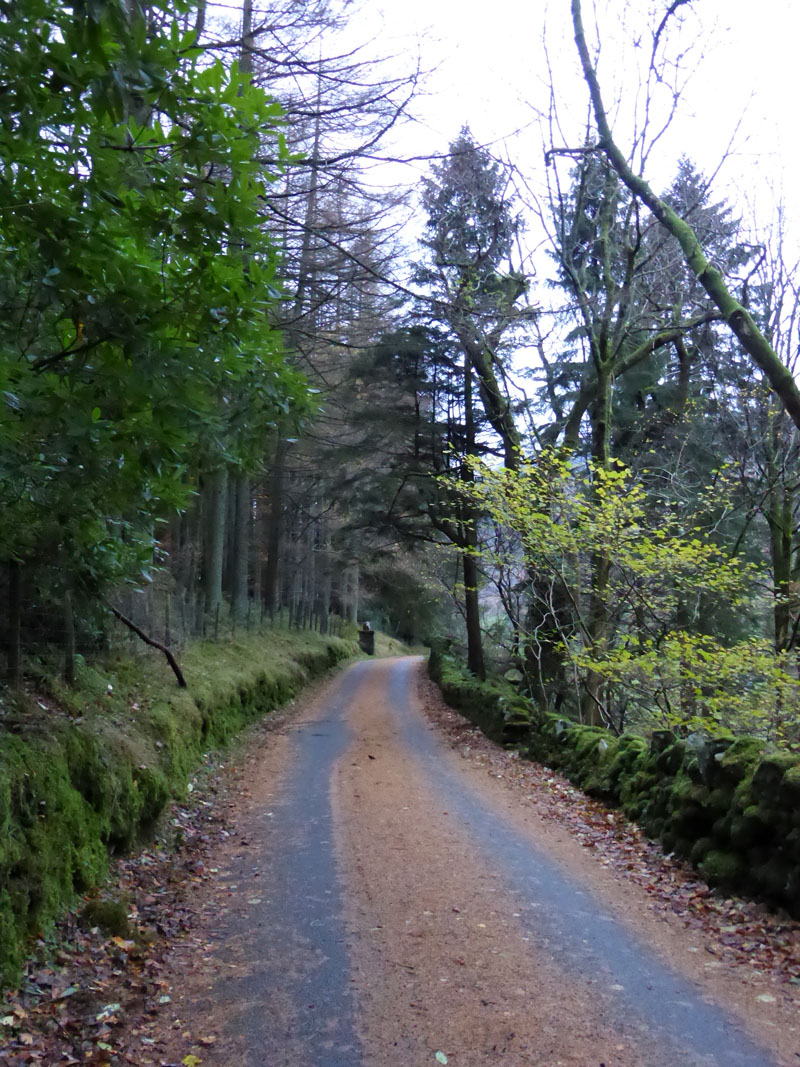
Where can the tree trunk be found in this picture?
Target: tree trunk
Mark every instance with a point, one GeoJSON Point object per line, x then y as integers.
{"type": "Point", "coordinates": [228, 566]}
{"type": "Point", "coordinates": [14, 614]}
{"type": "Point", "coordinates": [596, 637]}
{"type": "Point", "coordinates": [779, 519]}
{"type": "Point", "coordinates": [472, 613]}
{"type": "Point", "coordinates": [246, 52]}
{"type": "Point", "coordinates": [735, 314]}
{"type": "Point", "coordinates": [601, 417]}
{"type": "Point", "coordinates": [275, 528]}
{"type": "Point", "coordinates": [472, 609]}
{"type": "Point", "coordinates": [187, 548]}
{"type": "Point", "coordinates": [310, 578]}
{"type": "Point", "coordinates": [597, 624]}
{"type": "Point", "coordinates": [547, 623]}
{"type": "Point", "coordinates": [240, 555]}
{"type": "Point", "coordinates": [200, 20]}
{"type": "Point", "coordinates": [353, 583]}
{"type": "Point", "coordinates": [216, 493]}
{"type": "Point", "coordinates": [257, 542]}
{"type": "Point", "coordinates": [69, 640]}
{"type": "Point", "coordinates": [326, 586]}
{"type": "Point", "coordinates": [496, 404]}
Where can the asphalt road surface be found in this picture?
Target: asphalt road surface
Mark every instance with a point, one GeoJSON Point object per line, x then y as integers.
{"type": "Point", "coordinates": [380, 904]}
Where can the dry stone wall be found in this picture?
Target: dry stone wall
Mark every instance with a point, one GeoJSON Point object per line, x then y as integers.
{"type": "Point", "coordinates": [731, 806]}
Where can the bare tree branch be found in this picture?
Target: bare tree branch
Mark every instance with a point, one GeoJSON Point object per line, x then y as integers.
{"type": "Point", "coordinates": [710, 277]}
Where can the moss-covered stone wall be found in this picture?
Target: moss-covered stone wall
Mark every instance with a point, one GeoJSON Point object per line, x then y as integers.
{"type": "Point", "coordinates": [82, 782]}
{"type": "Point", "coordinates": [729, 806]}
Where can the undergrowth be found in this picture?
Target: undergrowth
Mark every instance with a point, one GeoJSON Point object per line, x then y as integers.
{"type": "Point", "coordinates": [86, 771]}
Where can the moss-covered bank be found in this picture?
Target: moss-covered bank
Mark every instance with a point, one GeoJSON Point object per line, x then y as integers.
{"type": "Point", "coordinates": [86, 772]}
{"type": "Point", "coordinates": [729, 806]}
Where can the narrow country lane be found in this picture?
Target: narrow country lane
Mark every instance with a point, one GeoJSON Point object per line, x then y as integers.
{"type": "Point", "coordinates": [382, 905]}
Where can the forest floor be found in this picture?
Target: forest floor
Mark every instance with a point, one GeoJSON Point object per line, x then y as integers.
{"type": "Point", "coordinates": [369, 880]}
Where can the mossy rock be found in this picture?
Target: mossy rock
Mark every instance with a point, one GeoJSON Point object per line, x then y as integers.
{"type": "Point", "coordinates": [73, 792]}
{"type": "Point", "coordinates": [700, 849]}
{"type": "Point", "coordinates": [770, 879]}
{"type": "Point", "coordinates": [686, 791]}
{"type": "Point", "coordinates": [721, 867]}
{"type": "Point", "coordinates": [635, 809]}
{"type": "Point", "coordinates": [549, 740]}
{"type": "Point", "coordinates": [598, 783]}
{"type": "Point", "coordinates": [603, 775]}
{"type": "Point", "coordinates": [704, 756]}
{"type": "Point", "coordinates": [660, 796]}
{"type": "Point", "coordinates": [692, 820]}
{"type": "Point", "coordinates": [792, 845]}
{"type": "Point", "coordinates": [669, 839]}
{"type": "Point", "coordinates": [763, 819]}
{"type": "Point", "coordinates": [654, 828]}
{"type": "Point", "coordinates": [623, 766]}
{"type": "Point", "coordinates": [586, 738]}
{"type": "Point", "coordinates": [683, 845]}
{"type": "Point", "coordinates": [759, 854]}
{"type": "Point", "coordinates": [722, 803]}
{"type": "Point", "coordinates": [790, 786]}
{"type": "Point", "coordinates": [515, 734]}
{"type": "Point", "coordinates": [692, 770]}
{"type": "Point", "coordinates": [792, 901]}
{"type": "Point", "coordinates": [661, 740]}
{"type": "Point", "coordinates": [641, 783]}
{"type": "Point", "coordinates": [652, 821]}
{"type": "Point", "coordinates": [721, 828]}
{"type": "Point", "coordinates": [88, 773]}
{"type": "Point", "coordinates": [720, 800]}
{"type": "Point", "coordinates": [111, 916]}
{"type": "Point", "coordinates": [556, 727]}
{"type": "Point", "coordinates": [769, 774]}
{"type": "Point", "coordinates": [745, 831]}
{"type": "Point", "coordinates": [633, 741]}
{"type": "Point", "coordinates": [670, 759]}
{"type": "Point", "coordinates": [743, 795]}
{"type": "Point", "coordinates": [9, 847]}
{"type": "Point", "coordinates": [11, 936]}
{"type": "Point", "coordinates": [519, 711]}
{"type": "Point", "coordinates": [741, 758]}
{"type": "Point", "coordinates": [629, 751]}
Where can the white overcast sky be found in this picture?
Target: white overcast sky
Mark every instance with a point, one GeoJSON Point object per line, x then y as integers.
{"type": "Point", "coordinates": [491, 73]}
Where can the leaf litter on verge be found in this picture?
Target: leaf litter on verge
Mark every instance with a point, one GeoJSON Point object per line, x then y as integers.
{"type": "Point", "coordinates": [741, 932]}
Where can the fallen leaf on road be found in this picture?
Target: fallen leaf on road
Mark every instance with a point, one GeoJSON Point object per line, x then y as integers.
{"type": "Point", "coordinates": [743, 933]}
{"type": "Point", "coordinates": [121, 943]}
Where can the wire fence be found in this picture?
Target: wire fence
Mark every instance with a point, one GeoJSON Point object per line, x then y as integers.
{"type": "Point", "coordinates": [46, 633]}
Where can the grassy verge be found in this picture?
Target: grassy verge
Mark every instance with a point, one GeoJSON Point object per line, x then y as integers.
{"type": "Point", "coordinates": [85, 772]}
{"type": "Point", "coordinates": [387, 647]}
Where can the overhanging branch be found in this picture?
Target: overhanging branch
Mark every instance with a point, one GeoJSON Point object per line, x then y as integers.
{"type": "Point", "coordinates": [710, 277]}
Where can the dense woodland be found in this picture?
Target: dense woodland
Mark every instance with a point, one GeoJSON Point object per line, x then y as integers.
{"type": "Point", "coordinates": [245, 382]}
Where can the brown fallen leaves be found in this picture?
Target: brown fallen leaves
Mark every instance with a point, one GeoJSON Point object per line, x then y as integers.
{"type": "Point", "coordinates": [735, 932]}
{"type": "Point", "coordinates": [89, 998]}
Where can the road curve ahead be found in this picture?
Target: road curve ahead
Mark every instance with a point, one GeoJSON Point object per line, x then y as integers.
{"type": "Point", "coordinates": [381, 906]}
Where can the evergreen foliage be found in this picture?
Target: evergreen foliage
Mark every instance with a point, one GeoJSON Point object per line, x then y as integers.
{"type": "Point", "coordinates": [130, 190]}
